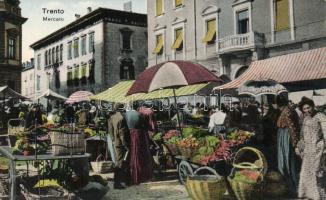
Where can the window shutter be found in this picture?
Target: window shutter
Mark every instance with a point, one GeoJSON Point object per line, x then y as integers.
{"type": "Point", "coordinates": [178, 3]}
{"type": "Point", "coordinates": [282, 15]}
{"type": "Point", "coordinates": [178, 40]}
{"type": "Point", "coordinates": [211, 31]}
{"type": "Point", "coordinates": [159, 7]}
{"type": "Point", "coordinates": [159, 44]}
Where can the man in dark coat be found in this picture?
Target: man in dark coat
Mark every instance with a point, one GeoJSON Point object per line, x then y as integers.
{"type": "Point", "coordinates": [119, 133]}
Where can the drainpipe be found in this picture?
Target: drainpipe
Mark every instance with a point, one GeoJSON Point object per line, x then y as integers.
{"type": "Point", "coordinates": [195, 25]}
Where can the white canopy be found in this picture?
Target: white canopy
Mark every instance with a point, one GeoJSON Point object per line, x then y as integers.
{"type": "Point", "coordinates": [49, 94]}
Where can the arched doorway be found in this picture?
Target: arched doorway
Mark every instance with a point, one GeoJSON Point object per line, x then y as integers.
{"type": "Point", "coordinates": [240, 71]}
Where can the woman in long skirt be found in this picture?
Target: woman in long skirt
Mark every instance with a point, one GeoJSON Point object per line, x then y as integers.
{"type": "Point", "coordinates": [287, 139]}
{"type": "Point", "coordinates": [312, 184]}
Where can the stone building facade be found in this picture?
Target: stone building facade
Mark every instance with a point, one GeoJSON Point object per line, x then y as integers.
{"type": "Point", "coordinates": [226, 36]}
{"type": "Point", "coordinates": [10, 43]}
{"type": "Point", "coordinates": [92, 53]}
{"type": "Point", "coordinates": [28, 79]}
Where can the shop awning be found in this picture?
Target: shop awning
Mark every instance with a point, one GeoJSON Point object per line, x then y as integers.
{"type": "Point", "coordinates": [291, 68]}
{"type": "Point", "coordinates": [118, 93]}
{"type": "Point", "coordinates": [49, 94]}
{"type": "Point", "coordinates": [6, 91]}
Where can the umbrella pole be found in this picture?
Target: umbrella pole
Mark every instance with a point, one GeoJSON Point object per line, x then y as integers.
{"type": "Point", "coordinates": [178, 117]}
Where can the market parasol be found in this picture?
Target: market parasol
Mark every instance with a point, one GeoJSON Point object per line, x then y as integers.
{"type": "Point", "coordinates": [172, 74]}
{"type": "Point", "coordinates": [261, 87]}
{"type": "Point", "coordinates": [79, 96]}
{"type": "Point", "coordinates": [50, 94]}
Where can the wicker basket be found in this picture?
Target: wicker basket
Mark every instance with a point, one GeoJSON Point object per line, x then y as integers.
{"type": "Point", "coordinates": [67, 143]}
{"type": "Point", "coordinates": [188, 152]}
{"type": "Point", "coordinates": [16, 126]}
{"type": "Point", "coordinates": [173, 149]}
{"type": "Point", "coordinates": [250, 158]}
{"type": "Point", "coordinates": [50, 193]}
{"type": "Point", "coordinates": [208, 187]}
{"type": "Point", "coordinates": [102, 166]}
{"type": "Point", "coordinates": [245, 190]}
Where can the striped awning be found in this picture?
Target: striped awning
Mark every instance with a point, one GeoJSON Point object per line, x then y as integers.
{"type": "Point", "coordinates": [118, 93]}
{"type": "Point", "coordinates": [79, 96]}
{"type": "Point", "coordinates": [303, 66]}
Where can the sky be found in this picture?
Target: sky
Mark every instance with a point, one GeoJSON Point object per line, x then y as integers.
{"type": "Point", "coordinates": [35, 28]}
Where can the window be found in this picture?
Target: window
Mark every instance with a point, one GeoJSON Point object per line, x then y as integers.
{"type": "Point", "coordinates": [159, 45]}
{"type": "Point", "coordinates": [69, 50]}
{"type": "Point", "coordinates": [243, 22]}
{"type": "Point", "coordinates": [57, 79]}
{"type": "Point", "coordinates": [83, 74]}
{"type": "Point", "coordinates": [38, 82]}
{"type": "Point", "coordinates": [76, 76]}
{"type": "Point", "coordinates": [49, 57]}
{"type": "Point", "coordinates": [53, 55]}
{"type": "Point", "coordinates": [282, 14]}
{"type": "Point", "coordinates": [57, 54]}
{"type": "Point", "coordinates": [46, 58]}
{"type": "Point", "coordinates": [210, 36]}
{"type": "Point", "coordinates": [91, 43]}
{"type": "Point", "coordinates": [126, 38]}
{"type": "Point", "coordinates": [83, 45]}
{"type": "Point", "coordinates": [159, 7]}
{"type": "Point", "coordinates": [127, 69]}
{"type": "Point", "coordinates": [38, 62]}
{"type": "Point", "coordinates": [61, 52]}
{"type": "Point", "coordinates": [178, 3]}
{"type": "Point", "coordinates": [178, 41]}
{"type": "Point", "coordinates": [11, 48]}
{"type": "Point", "coordinates": [69, 78]}
{"type": "Point", "coordinates": [91, 77]}
{"type": "Point", "coordinates": [76, 48]}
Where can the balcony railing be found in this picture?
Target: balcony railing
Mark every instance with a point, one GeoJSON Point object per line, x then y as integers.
{"type": "Point", "coordinates": [240, 42]}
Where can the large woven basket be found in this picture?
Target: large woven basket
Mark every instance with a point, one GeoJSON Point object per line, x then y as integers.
{"type": "Point", "coordinates": [188, 152]}
{"type": "Point", "coordinates": [67, 143]}
{"type": "Point", "coordinates": [102, 166]}
{"type": "Point", "coordinates": [244, 190]}
{"type": "Point", "coordinates": [250, 158]}
{"type": "Point", "coordinates": [206, 187]}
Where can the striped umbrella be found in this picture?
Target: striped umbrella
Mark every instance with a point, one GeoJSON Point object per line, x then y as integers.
{"type": "Point", "coordinates": [79, 96]}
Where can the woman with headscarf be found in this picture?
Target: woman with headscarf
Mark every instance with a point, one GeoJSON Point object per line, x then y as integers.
{"type": "Point", "coordinates": [287, 139]}
{"type": "Point", "coordinates": [141, 164]}
{"type": "Point", "coordinates": [312, 184]}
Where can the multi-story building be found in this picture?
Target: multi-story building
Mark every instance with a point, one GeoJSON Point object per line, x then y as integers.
{"type": "Point", "coordinates": [226, 36]}
{"type": "Point", "coordinates": [27, 81]}
{"type": "Point", "coordinates": [10, 43]}
{"type": "Point", "coordinates": [92, 53]}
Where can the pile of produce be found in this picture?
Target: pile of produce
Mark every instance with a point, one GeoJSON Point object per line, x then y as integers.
{"type": "Point", "coordinates": [23, 146]}
{"type": "Point", "coordinates": [194, 131]}
{"type": "Point", "coordinates": [208, 145]}
{"type": "Point", "coordinates": [240, 136]}
{"type": "Point", "coordinates": [222, 152]}
{"type": "Point", "coordinates": [188, 142]}
{"type": "Point", "coordinates": [247, 176]}
{"type": "Point", "coordinates": [172, 137]}
{"type": "Point", "coordinates": [157, 137]}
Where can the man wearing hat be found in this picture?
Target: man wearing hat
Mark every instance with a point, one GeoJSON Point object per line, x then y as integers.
{"type": "Point", "coordinates": [119, 134]}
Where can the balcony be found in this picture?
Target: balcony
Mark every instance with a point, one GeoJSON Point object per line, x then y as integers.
{"type": "Point", "coordinates": [240, 42]}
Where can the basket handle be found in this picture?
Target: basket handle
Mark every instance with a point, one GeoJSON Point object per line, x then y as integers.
{"type": "Point", "coordinates": [246, 165]}
{"type": "Point", "coordinates": [98, 158]}
{"type": "Point", "coordinates": [209, 169]}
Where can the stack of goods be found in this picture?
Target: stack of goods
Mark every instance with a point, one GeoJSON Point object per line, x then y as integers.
{"type": "Point", "coordinates": [209, 144]}
{"type": "Point", "coordinates": [246, 178]}
{"type": "Point", "coordinates": [194, 132]}
{"type": "Point", "coordinates": [240, 136]}
{"type": "Point", "coordinates": [67, 140]}
{"type": "Point", "coordinates": [171, 138]}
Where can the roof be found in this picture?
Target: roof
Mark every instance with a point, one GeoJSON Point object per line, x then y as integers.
{"type": "Point", "coordinates": [110, 15]}
{"type": "Point", "coordinates": [118, 93]}
{"type": "Point", "coordinates": [296, 67]}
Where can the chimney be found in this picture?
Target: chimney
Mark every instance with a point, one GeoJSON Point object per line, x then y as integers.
{"type": "Point", "coordinates": [77, 16]}
{"type": "Point", "coordinates": [127, 6]}
{"type": "Point", "coordinates": [89, 9]}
